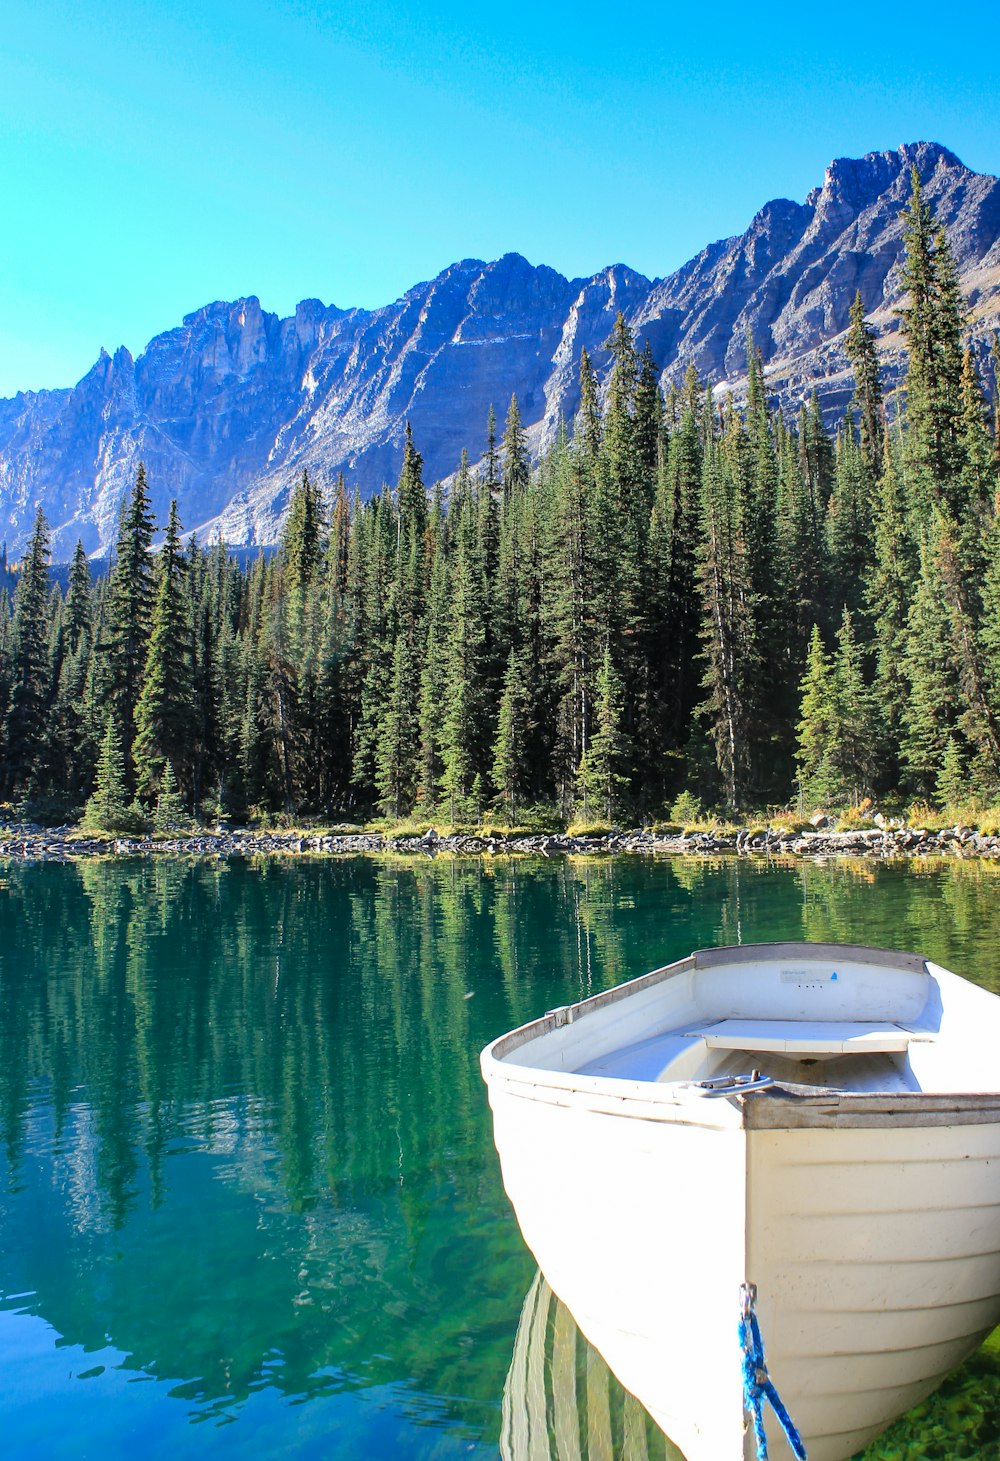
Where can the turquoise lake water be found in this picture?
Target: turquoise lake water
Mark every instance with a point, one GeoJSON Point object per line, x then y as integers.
{"type": "Point", "coordinates": [249, 1202]}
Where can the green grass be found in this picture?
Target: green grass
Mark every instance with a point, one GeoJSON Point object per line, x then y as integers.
{"type": "Point", "coordinates": [542, 820]}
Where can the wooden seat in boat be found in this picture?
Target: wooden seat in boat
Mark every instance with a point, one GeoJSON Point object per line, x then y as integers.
{"type": "Point", "coordinates": [802, 1037]}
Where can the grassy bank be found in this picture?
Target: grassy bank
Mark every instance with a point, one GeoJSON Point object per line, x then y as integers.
{"type": "Point", "coordinates": [537, 821]}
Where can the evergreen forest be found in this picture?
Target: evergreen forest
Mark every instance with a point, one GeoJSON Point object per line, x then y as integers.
{"type": "Point", "coordinates": [683, 598]}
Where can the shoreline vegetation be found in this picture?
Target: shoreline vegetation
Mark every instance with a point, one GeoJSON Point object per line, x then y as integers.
{"type": "Point", "coordinates": [852, 834]}
{"type": "Point", "coordinates": [685, 604]}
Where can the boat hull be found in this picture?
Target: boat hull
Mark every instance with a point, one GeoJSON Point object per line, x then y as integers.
{"type": "Point", "coordinates": [875, 1251]}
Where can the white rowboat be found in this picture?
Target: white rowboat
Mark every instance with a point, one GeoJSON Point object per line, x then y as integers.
{"type": "Point", "coordinates": [857, 1184]}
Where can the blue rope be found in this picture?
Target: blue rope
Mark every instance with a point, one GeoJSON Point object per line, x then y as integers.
{"type": "Point", "coordinates": [757, 1385]}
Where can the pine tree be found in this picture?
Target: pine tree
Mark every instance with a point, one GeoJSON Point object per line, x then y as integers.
{"type": "Point", "coordinates": [756, 469]}
{"type": "Point", "coordinates": [602, 779]}
{"type": "Point", "coordinates": [816, 450]}
{"type": "Point", "coordinates": [464, 734]}
{"type": "Point", "coordinates": [989, 624]}
{"type": "Point", "coordinates": [6, 669]}
{"type": "Point", "coordinates": [108, 809]}
{"type": "Point", "coordinates": [934, 701]}
{"type": "Point", "coordinates": [490, 475]}
{"type": "Point", "coordinates": [932, 323]}
{"type": "Point", "coordinates": [302, 535]}
{"type": "Point", "coordinates": [674, 546]}
{"type": "Point", "coordinates": [302, 544]}
{"type": "Point", "coordinates": [516, 467]}
{"type": "Point", "coordinates": [979, 477]}
{"type": "Point", "coordinates": [859, 343]}
{"type": "Point", "coordinates": [508, 749]}
{"type": "Point", "coordinates": [995, 363]}
{"type": "Point", "coordinates": [433, 681]}
{"type": "Point", "coordinates": [411, 499]}
{"type": "Point", "coordinates": [164, 715]}
{"type": "Point", "coordinates": [254, 757]}
{"type": "Point", "coordinates": [729, 629]}
{"type": "Point", "coordinates": [395, 759]}
{"type": "Point", "coordinates": [569, 553]}
{"type": "Point", "coordinates": [649, 433]}
{"type": "Point", "coordinates": [760, 482]}
{"type": "Point", "coordinates": [130, 603]}
{"type": "Point", "coordinates": [78, 601]}
{"type": "Point", "coordinates": [855, 740]}
{"type": "Point", "coordinates": [818, 779]}
{"type": "Point", "coordinates": [30, 676]}
{"type": "Point", "coordinates": [168, 815]}
{"type": "Point", "coordinates": [888, 593]}
{"type": "Point", "coordinates": [977, 719]}
{"type": "Point", "coordinates": [801, 560]}
{"type": "Point", "coordinates": [375, 550]}
{"type": "Point", "coordinates": [849, 520]}
{"type": "Point", "coordinates": [588, 421]}
{"type": "Point", "coordinates": [397, 743]}
{"type": "Point", "coordinates": [952, 786]}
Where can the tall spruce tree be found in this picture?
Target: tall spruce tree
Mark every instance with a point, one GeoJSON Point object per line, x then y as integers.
{"type": "Point", "coordinates": [602, 777]}
{"type": "Point", "coordinates": [849, 520]}
{"type": "Point", "coordinates": [933, 701]}
{"type": "Point", "coordinates": [731, 646]}
{"type": "Point", "coordinates": [854, 750]}
{"type": "Point", "coordinates": [130, 604]}
{"type": "Point", "coordinates": [164, 715]}
{"type": "Point", "coordinates": [816, 451]}
{"type": "Point", "coordinates": [588, 421]}
{"type": "Point", "coordinates": [30, 673]}
{"type": "Point", "coordinates": [78, 601]}
{"type": "Point", "coordinates": [979, 473]}
{"type": "Point", "coordinates": [801, 560]}
{"type": "Point", "coordinates": [395, 759]}
{"type": "Point", "coordinates": [569, 554]}
{"type": "Point", "coordinates": [514, 449]}
{"type": "Point", "coordinates": [508, 750]}
{"type": "Point", "coordinates": [818, 778]}
{"type": "Point", "coordinates": [109, 809]}
{"type": "Point", "coordinates": [888, 594]}
{"type": "Point", "coordinates": [932, 324]}
{"type": "Point", "coordinates": [859, 343]}
{"type": "Point", "coordinates": [433, 681]}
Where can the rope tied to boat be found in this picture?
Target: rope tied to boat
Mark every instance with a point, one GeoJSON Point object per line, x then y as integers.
{"type": "Point", "coordinates": [757, 1383]}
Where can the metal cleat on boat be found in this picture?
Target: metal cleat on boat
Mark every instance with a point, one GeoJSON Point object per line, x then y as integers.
{"type": "Point", "coordinates": [735, 1085]}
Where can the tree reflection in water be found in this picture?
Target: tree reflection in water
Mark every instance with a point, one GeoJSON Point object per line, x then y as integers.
{"type": "Point", "coordinates": [244, 1142]}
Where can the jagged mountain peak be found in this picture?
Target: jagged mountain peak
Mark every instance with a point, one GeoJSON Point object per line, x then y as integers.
{"type": "Point", "coordinates": [859, 180]}
{"type": "Point", "coordinates": [229, 406]}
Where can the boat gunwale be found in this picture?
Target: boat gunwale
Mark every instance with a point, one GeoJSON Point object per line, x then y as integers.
{"type": "Point", "coordinates": [683, 1102]}
{"type": "Point", "coordinates": [565, 1014]}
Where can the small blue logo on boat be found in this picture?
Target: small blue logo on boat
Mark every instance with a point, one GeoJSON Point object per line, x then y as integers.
{"type": "Point", "coordinates": [834, 974]}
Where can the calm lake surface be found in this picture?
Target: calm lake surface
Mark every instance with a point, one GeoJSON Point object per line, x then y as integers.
{"type": "Point", "coordinates": [249, 1202]}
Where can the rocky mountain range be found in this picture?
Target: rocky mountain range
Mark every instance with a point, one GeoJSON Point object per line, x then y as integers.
{"type": "Point", "coordinates": [229, 407]}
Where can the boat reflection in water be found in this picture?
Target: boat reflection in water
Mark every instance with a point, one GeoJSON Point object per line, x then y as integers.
{"type": "Point", "coordinates": [562, 1403]}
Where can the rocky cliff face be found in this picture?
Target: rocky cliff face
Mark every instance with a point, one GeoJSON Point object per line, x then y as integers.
{"type": "Point", "coordinates": [229, 408]}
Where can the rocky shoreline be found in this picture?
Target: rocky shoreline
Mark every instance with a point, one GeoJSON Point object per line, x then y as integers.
{"type": "Point", "coordinates": [31, 843]}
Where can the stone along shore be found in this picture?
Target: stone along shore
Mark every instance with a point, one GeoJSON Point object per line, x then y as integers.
{"type": "Point", "coordinates": [33, 843]}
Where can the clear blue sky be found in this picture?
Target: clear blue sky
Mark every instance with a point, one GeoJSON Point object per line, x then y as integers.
{"type": "Point", "coordinates": [155, 156]}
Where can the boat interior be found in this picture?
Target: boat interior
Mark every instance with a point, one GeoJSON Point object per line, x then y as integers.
{"type": "Point", "coordinates": [861, 1020]}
